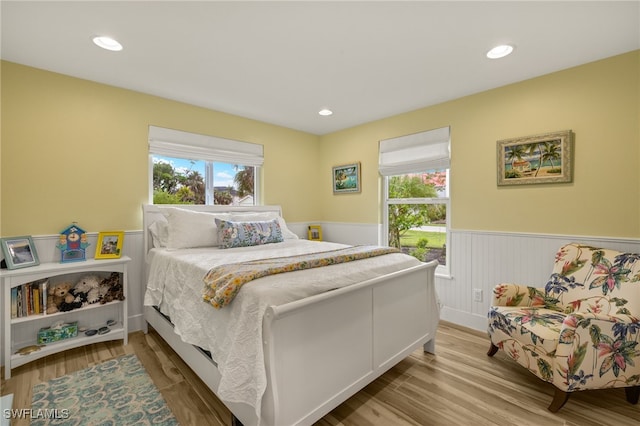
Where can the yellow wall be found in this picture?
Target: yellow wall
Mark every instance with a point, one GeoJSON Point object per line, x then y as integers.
{"type": "Point", "coordinates": [599, 101]}
{"type": "Point", "coordinates": [75, 150]}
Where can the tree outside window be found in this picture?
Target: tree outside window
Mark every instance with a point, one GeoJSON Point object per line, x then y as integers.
{"type": "Point", "coordinates": [184, 181]}
{"type": "Point", "coordinates": [417, 214]}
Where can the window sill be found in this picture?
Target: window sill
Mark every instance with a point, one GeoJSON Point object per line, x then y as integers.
{"type": "Point", "coordinates": [444, 275]}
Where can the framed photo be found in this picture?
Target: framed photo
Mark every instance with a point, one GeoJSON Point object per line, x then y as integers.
{"type": "Point", "coordinates": [315, 233]}
{"type": "Point", "coordinates": [346, 179]}
{"type": "Point", "coordinates": [545, 158]}
{"type": "Point", "coordinates": [19, 252]}
{"type": "Point", "coordinates": [109, 245]}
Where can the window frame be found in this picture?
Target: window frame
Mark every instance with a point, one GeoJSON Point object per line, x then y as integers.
{"type": "Point", "coordinates": [182, 145]}
{"type": "Point", "coordinates": [208, 180]}
{"type": "Point", "coordinates": [417, 153]}
{"type": "Point", "coordinates": [441, 270]}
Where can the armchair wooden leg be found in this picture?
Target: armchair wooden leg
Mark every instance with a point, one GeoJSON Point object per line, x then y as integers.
{"type": "Point", "coordinates": [633, 394]}
{"type": "Point", "coordinates": [559, 399]}
{"type": "Point", "coordinates": [492, 350]}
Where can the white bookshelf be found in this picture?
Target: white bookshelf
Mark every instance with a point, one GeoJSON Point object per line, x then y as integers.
{"type": "Point", "coordinates": [20, 332]}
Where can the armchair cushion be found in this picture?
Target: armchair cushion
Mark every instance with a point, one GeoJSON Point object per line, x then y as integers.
{"type": "Point", "coordinates": [539, 326]}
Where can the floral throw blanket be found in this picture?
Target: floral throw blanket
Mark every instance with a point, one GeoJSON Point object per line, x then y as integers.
{"type": "Point", "coordinates": [223, 282]}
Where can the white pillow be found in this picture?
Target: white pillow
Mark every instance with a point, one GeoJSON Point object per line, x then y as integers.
{"type": "Point", "coordinates": [159, 233]}
{"type": "Point", "coordinates": [264, 216]}
{"type": "Point", "coordinates": [187, 229]}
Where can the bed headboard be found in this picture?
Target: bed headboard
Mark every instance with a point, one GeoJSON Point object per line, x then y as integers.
{"type": "Point", "coordinates": [153, 212]}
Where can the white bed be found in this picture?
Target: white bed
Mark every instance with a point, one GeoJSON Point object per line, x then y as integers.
{"type": "Point", "coordinates": [293, 346]}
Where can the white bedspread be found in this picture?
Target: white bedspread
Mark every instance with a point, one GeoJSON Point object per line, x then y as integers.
{"type": "Point", "coordinates": [233, 334]}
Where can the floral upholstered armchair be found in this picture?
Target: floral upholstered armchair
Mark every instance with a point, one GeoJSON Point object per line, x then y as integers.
{"type": "Point", "coordinates": [582, 330]}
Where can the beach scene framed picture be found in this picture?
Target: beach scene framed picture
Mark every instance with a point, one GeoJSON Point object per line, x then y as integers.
{"type": "Point", "coordinates": [544, 158]}
{"type": "Point", "coordinates": [346, 179]}
{"type": "Point", "coordinates": [19, 252]}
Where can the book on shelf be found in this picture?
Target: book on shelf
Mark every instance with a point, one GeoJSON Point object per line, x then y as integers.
{"type": "Point", "coordinates": [14, 302]}
{"type": "Point", "coordinates": [29, 299]}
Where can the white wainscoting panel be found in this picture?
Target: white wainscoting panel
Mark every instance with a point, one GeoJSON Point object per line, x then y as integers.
{"type": "Point", "coordinates": [300, 229]}
{"type": "Point", "coordinates": [341, 232]}
{"type": "Point", "coordinates": [479, 260]}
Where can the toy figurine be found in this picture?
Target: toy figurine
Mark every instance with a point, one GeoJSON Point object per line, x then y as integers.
{"type": "Point", "coordinates": [72, 244]}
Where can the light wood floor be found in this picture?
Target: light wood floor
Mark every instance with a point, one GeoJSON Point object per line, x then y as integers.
{"type": "Point", "coordinates": [459, 385]}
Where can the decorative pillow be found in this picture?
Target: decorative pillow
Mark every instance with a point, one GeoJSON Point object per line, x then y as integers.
{"type": "Point", "coordinates": [244, 234]}
{"type": "Point", "coordinates": [187, 229]}
{"type": "Point", "coordinates": [263, 216]}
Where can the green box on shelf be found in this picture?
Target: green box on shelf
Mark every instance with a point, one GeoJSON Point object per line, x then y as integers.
{"type": "Point", "coordinates": [50, 335]}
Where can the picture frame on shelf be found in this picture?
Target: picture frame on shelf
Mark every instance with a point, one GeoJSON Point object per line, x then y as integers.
{"type": "Point", "coordinates": [109, 245]}
{"type": "Point", "coordinates": [19, 252]}
{"type": "Point", "coordinates": [543, 158]}
{"type": "Point", "coordinates": [314, 233]}
{"type": "Point", "coordinates": [346, 179]}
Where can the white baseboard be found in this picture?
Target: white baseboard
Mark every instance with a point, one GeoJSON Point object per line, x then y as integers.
{"type": "Point", "coordinates": [465, 319]}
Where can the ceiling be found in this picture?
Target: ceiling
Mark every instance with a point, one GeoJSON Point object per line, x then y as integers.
{"type": "Point", "coordinates": [281, 62]}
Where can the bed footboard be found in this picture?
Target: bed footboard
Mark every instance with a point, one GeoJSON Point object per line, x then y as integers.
{"type": "Point", "coordinates": [321, 350]}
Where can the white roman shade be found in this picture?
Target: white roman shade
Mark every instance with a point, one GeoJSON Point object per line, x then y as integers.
{"type": "Point", "coordinates": [415, 153]}
{"type": "Point", "coordinates": [179, 144]}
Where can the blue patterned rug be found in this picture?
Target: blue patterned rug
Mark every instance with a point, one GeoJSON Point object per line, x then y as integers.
{"type": "Point", "coordinates": [116, 392]}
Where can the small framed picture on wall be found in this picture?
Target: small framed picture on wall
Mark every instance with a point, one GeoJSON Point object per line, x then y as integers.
{"type": "Point", "coordinates": [346, 179]}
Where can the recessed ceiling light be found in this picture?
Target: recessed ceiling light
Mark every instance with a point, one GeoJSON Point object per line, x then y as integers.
{"type": "Point", "coordinates": [499, 51]}
{"type": "Point", "coordinates": [325, 112]}
{"type": "Point", "coordinates": [107, 43]}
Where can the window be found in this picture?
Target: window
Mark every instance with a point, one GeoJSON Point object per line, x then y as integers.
{"type": "Point", "coordinates": [187, 168]}
{"type": "Point", "coordinates": [416, 209]}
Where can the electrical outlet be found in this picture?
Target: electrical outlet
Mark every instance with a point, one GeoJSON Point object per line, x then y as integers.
{"type": "Point", "coordinates": [477, 295]}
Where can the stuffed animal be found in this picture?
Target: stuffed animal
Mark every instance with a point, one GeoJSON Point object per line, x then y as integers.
{"type": "Point", "coordinates": [73, 301]}
{"type": "Point", "coordinates": [82, 294]}
{"type": "Point", "coordinates": [88, 288]}
{"type": "Point", "coordinates": [106, 283]}
{"type": "Point", "coordinates": [111, 288]}
{"type": "Point", "coordinates": [57, 295]}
